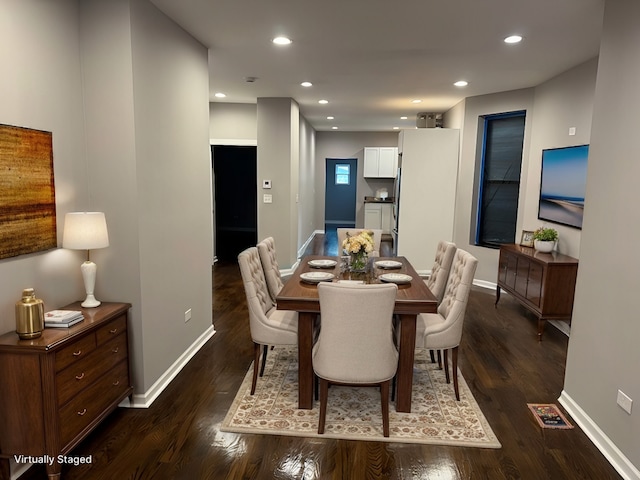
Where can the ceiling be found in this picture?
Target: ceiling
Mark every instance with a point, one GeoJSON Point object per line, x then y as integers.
{"type": "Point", "coordinates": [371, 58]}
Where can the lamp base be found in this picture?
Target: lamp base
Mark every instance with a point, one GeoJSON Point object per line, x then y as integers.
{"type": "Point", "coordinates": [90, 302]}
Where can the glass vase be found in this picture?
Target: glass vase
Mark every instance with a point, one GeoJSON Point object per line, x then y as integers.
{"type": "Point", "coordinates": [358, 261]}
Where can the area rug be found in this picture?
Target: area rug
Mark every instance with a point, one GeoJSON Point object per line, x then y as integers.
{"type": "Point", "coordinates": [355, 413]}
{"type": "Point", "coordinates": [548, 416]}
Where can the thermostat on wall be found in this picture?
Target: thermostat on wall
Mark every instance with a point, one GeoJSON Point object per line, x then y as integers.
{"type": "Point", "coordinates": [266, 183]}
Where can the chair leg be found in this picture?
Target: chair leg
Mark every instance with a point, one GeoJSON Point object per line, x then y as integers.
{"type": "Point", "coordinates": [384, 397]}
{"type": "Point", "coordinates": [315, 386]}
{"type": "Point", "coordinates": [393, 388]}
{"type": "Point", "coordinates": [324, 396]}
{"type": "Point", "coordinates": [440, 359]}
{"type": "Point", "coordinates": [433, 358]}
{"type": "Point", "coordinates": [455, 371]}
{"type": "Point", "coordinates": [256, 360]}
{"type": "Point", "coordinates": [265, 348]}
{"type": "Point", "coordinates": [446, 365]}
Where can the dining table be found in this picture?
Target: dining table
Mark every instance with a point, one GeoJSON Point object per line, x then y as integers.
{"type": "Point", "coordinates": [300, 294]}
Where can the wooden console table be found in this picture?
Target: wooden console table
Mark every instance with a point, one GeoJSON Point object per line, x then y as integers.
{"type": "Point", "coordinates": [544, 283]}
{"type": "Point", "coordinates": [60, 386]}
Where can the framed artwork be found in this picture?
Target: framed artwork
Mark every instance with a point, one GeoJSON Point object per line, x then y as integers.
{"type": "Point", "coordinates": [562, 185]}
{"type": "Point", "coordinates": [527, 238]}
{"type": "Point", "coordinates": [27, 193]}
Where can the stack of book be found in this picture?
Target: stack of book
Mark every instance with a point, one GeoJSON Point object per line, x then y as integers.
{"type": "Point", "coordinates": [62, 318]}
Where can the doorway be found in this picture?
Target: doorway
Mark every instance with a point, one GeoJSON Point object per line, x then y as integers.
{"type": "Point", "coordinates": [235, 199]}
{"type": "Point", "coordinates": [339, 195]}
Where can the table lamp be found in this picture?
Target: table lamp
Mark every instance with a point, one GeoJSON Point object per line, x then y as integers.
{"type": "Point", "coordinates": [86, 231]}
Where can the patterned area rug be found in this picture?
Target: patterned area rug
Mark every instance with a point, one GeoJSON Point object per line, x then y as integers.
{"type": "Point", "coordinates": [355, 413]}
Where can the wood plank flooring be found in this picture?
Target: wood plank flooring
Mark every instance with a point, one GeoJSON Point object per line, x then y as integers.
{"type": "Point", "coordinates": [501, 359]}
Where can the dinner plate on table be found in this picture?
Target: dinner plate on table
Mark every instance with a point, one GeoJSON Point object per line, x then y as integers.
{"type": "Point", "coordinates": [398, 278]}
{"type": "Point", "coordinates": [316, 277]}
{"type": "Point", "coordinates": [388, 264]}
{"type": "Point", "coordinates": [322, 263]}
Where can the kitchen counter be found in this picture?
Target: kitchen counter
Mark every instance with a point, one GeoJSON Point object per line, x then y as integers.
{"type": "Point", "coordinates": [378, 200]}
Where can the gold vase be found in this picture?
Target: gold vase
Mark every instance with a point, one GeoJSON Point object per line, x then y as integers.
{"type": "Point", "coordinates": [29, 315]}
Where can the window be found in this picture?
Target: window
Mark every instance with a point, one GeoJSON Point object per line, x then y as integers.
{"type": "Point", "coordinates": [499, 178]}
{"type": "Point", "coordinates": [343, 174]}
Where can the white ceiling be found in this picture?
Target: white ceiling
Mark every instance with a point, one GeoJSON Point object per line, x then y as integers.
{"type": "Point", "coordinates": [371, 58]}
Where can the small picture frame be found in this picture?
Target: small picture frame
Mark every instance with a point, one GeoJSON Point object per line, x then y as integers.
{"type": "Point", "coordinates": [527, 238]}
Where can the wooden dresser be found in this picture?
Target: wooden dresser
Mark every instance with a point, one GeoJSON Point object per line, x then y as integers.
{"type": "Point", "coordinates": [544, 283]}
{"type": "Point", "coordinates": [58, 387]}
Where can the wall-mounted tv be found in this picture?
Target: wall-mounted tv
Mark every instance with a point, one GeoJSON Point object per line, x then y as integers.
{"type": "Point", "coordinates": [562, 185]}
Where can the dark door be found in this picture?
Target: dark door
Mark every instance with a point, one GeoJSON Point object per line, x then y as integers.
{"type": "Point", "coordinates": [235, 199]}
{"type": "Point", "coordinates": [340, 193]}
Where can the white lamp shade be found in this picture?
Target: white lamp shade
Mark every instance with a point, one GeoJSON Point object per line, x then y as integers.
{"type": "Point", "coordinates": [85, 231]}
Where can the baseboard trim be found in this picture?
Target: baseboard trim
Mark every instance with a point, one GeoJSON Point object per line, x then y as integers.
{"type": "Point", "coordinates": [602, 442]}
{"type": "Point", "coordinates": [144, 400]}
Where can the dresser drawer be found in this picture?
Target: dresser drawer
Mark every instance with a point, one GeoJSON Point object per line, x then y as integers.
{"type": "Point", "coordinates": [80, 375]}
{"type": "Point", "coordinates": [111, 329]}
{"type": "Point", "coordinates": [85, 407]}
{"type": "Point", "coordinates": [75, 352]}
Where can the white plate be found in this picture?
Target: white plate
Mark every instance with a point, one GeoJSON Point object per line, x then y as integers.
{"type": "Point", "coordinates": [388, 264]}
{"type": "Point", "coordinates": [315, 277]}
{"type": "Point", "coordinates": [395, 278]}
{"type": "Point", "coordinates": [322, 263]}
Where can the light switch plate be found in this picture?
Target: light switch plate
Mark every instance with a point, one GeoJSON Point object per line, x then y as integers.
{"type": "Point", "coordinates": [267, 198]}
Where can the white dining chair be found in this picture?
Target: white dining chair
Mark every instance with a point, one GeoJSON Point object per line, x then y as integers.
{"type": "Point", "coordinates": [437, 280]}
{"type": "Point", "coordinates": [268, 325]}
{"type": "Point", "coordinates": [267, 251]}
{"type": "Point", "coordinates": [355, 345]}
{"type": "Point", "coordinates": [442, 331]}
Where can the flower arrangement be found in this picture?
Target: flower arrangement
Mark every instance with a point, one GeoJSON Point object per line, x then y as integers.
{"type": "Point", "coordinates": [543, 234]}
{"type": "Point", "coordinates": [358, 247]}
{"type": "Point", "coordinates": [362, 242]}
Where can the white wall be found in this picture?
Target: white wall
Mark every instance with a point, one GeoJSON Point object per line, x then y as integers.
{"type": "Point", "coordinates": [306, 182]}
{"type": "Point", "coordinates": [603, 351]}
{"type": "Point", "coordinates": [233, 121]}
{"type": "Point", "coordinates": [40, 88]}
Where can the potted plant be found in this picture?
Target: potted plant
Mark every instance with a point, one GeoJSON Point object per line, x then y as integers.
{"type": "Point", "coordinates": [544, 239]}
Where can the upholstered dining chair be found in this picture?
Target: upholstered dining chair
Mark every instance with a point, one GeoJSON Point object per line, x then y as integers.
{"type": "Point", "coordinates": [267, 251]}
{"type": "Point", "coordinates": [443, 330]}
{"type": "Point", "coordinates": [377, 238]}
{"type": "Point", "coordinates": [437, 281]}
{"type": "Point", "coordinates": [268, 325]}
{"type": "Point", "coordinates": [355, 345]}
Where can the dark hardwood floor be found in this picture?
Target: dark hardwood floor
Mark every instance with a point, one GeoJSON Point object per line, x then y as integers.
{"type": "Point", "coordinates": [178, 437]}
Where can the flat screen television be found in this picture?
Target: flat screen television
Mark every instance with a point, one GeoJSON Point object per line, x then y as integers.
{"type": "Point", "coordinates": [562, 185]}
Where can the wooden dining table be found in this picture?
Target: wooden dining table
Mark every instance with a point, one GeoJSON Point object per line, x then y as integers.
{"type": "Point", "coordinates": [412, 299]}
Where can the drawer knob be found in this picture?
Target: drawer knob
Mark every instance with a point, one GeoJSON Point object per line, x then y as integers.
{"type": "Point", "coordinates": [114, 331]}
{"type": "Point", "coordinates": [115, 350]}
{"type": "Point", "coordinates": [78, 353]}
{"type": "Point", "coordinates": [84, 410]}
{"type": "Point", "coordinates": [116, 383]}
{"type": "Point", "coordinates": [80, 377]}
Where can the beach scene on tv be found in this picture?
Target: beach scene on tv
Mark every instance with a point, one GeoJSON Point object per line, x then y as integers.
{"type": "Point", "coordinates": [562, 185]}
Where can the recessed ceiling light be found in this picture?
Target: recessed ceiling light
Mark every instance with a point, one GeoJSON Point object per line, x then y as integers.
{"type": "Point", "coordinates": [220, 95]}
{"type": "Point", "coordinates": [416, 101]}
{"type": "Point", "coordinates": [281, 41]}
{"type": "Point", "coordinates": [461, 83]}
{"type": "Point", "coordinates": [323, 102]}
{"type": "Point", "coordinates": [334, 128]}
{"type": "Point", "coordinates": [396, 128]}
{"type": "Point", "coordinates": [330, 118]}
{"type": "Point", "coordinates": [513, 39]}
{"type": "Point", "coordinates": [403, 118]}
{"type": "Point", "coordinates": [306, 84]}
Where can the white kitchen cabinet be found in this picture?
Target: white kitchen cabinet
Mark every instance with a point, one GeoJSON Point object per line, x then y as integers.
{"type": "Point", "coordinates": [378, 216]}
{"type": "Point", "coordinates": [380, 162]}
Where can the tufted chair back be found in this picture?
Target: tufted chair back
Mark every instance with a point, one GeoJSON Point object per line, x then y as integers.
{"type": "Point", "coordinates": [454, 303]}
{"type": "Point", "coordinates": [267, 251]}
{"type": "Point", "coordinates": [437, 281]}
